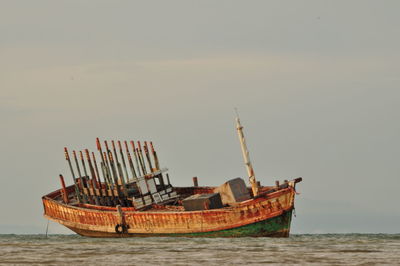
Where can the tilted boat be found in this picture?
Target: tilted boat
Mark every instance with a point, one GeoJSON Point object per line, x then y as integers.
{"type": "Point", "coordinates": [142, 202]}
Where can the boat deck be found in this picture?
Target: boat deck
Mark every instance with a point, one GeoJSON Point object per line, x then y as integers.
{"type": "Point", "coordinates": [174, 205]}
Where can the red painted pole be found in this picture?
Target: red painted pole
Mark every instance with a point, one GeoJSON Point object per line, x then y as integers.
{"type": "Point", "coordinates": [146, 152]}
{"type": "Point", "coordinates": [157, 164]}
{"type": "Point", "coordinates": [64, 190]}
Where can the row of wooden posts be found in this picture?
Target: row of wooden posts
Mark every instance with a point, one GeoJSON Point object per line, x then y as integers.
{"type": "Point", "coordinates": [114, 185]}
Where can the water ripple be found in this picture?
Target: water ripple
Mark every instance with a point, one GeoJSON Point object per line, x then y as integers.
{"type": "Point", "coordinates": [349, 249]}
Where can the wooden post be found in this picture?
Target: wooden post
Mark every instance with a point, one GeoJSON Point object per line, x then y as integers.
{"type": "Point", "coordinates": [86, 196]}
{"type": "Point", "coordinates": [130, 162]}
{"type": "Point", "coordinates": [123, 161]}
{"type": "Point", "coordinates": [121, 226]}
{"type": "Point", "coordinates": [136, 158]}
{"type": "Point", "coordinates": [140, 157]}
{"type": "Point", "coordinates": [246, 157]}
{"type": "Point", "coordinates": [77, 192]}
{"type": "Point", "coordinates": [106, 176]}
{"type": "Point", "coordinates": [89, 182]}
{"type": "Point", "coordinates": [146, 151]}
{"type": "Point", "coordinates": [195, 182]}
{"type": "Point", "coordinates": [64, 190]}
{"type": "Point", "coordinates": [118, 165]}
{"type": "Point", "coordinates": [157, 164]}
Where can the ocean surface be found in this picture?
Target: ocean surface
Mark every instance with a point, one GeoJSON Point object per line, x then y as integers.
{"type": "Point", "coordinates": [329, 249]}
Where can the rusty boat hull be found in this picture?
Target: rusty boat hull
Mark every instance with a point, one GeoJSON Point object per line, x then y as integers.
{"type": "Point", "coordinates": [267, 215]}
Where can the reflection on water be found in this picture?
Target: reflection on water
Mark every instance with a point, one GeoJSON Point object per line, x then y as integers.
{"type": "Point", "coordinates": [297, 249]}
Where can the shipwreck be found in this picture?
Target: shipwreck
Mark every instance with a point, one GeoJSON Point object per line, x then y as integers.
{"type": "Point", "coordinates": [128, 194]}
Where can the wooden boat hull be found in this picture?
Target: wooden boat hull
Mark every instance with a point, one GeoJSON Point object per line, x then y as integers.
{"type": "Point", "coordinates": [269, 215]}
{"type": "Point", "coordinates": [274, 227]}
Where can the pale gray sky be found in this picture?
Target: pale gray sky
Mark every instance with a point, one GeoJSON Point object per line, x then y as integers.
{"type": "Point", "coordinates": [316, 83]}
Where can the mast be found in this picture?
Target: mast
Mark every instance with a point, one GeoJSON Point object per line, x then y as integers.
{"type": "Point", "coordinates": [246, 156]}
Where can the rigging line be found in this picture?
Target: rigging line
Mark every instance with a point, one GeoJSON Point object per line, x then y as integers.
{"type": "Point", "coordinates": [47, 227]}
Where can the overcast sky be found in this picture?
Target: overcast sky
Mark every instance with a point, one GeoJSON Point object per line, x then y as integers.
{"type": "Point", "coordinates": [316, 84]}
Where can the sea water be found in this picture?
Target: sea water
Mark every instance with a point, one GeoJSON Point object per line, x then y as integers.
{"type": "Point", "coordinates": [328, 249]}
